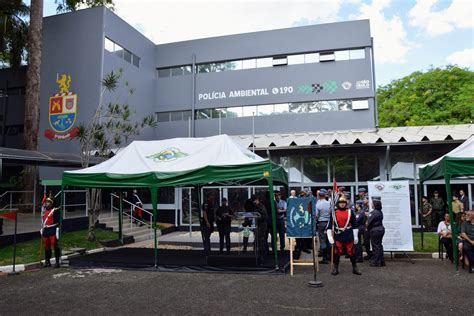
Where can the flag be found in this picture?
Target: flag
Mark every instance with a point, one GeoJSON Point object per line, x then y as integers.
{"type": "Point", "coordinates": [334, 185]}
{"type": "Point", "coordinates": [10, 215]}
{"type": "Point", "coordinates": [44, 199]}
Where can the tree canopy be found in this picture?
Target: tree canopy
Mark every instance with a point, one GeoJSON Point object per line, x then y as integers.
{"type": "Point", "coordinates": [438, 96]}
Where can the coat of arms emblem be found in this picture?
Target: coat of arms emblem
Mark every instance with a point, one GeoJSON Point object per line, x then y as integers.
{"type": "Point", "coordinates": [62, 111]}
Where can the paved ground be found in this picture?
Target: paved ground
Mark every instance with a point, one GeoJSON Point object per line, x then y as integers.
{"type": "Point", "coordinates": [428, 286]}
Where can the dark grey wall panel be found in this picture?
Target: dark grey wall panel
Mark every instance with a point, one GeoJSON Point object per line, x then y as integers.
{"type": "Point", "coordinates": [332, 36]}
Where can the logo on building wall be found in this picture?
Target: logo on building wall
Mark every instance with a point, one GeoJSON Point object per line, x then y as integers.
{"type": "Point", "coordinates": [363, 84]}
{"type": "Point", "coordinates": [330, 86]}
{"type": "Point", "coordinates": [62, 112]}
{"type": "Point", "coordinates": [346, 85]}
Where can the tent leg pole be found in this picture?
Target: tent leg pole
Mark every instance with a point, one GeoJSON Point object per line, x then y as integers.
{"type": "Point", "coordinates": [120, 217]}
{"type": "Point", "coordinates": [454, 228]}
{"type": "Point", "coordinates": [154, 202]}
{"type": "Point", "coordinates": [273, 211]}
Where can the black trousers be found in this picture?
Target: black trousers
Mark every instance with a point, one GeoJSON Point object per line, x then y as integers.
{"type": "Point", "coordinates": [468, 251]}
{"type": "Point", "coordinates": [224, 233]}
{"type": "Point", "coordinates": [437, 216]}
{"type": "Point", "coordinates": [281, 231]}
{"type": "Point", "coordinates": [376, 236]}
{"type": "Point", "coordinates": [358, 247]}
{"type": "Point", "coordinates": [206, 238]}
{"type": "Point", "coordinates": [367, 243]}
{"type": "Point", "coordinates": [448, 244]}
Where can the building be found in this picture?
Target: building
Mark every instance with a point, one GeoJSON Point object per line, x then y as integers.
{"type": "Point", "coordinates": [305, 96]}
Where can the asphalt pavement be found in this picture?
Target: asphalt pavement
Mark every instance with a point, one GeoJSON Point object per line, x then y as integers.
{"type": "Point", "coordinates": [426, 287]}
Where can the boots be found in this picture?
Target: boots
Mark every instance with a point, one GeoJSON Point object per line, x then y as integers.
{"type": "Point", "coordinates": [47, 258]}
{"type": "Point", "coordinates": [57, 255]}
{"type": "Point", "coordinates": [335, 269]}
{"type": "Point", "coordinates": [354, 266]}
{"type": "Point", "coordinates": [324, 253]}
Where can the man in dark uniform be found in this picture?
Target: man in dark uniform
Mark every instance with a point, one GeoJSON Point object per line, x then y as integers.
{"type": "Point", "coordinates": [376, 232]}
{"type": "Point", "coordinates": [247, 224]}
{"type": "Point", "coordinates": [223, 220]}
{"type": "Point", "coordinates": [207, 223]}
{"type": "Point", "coordinates": [49, 232]}
{"type": "Point", "coordinates": [360, 225]}
{"type": "Point", "coordinates": [343, 221]}
{"type": "Point", "coordinates": [261, 226]}
{"type": "Point", "coordinates": [280, 219]}
{"type": "Point", "coordinates": [366, 208]}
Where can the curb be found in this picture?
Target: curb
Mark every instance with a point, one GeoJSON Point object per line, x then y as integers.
{"type": "Point", "coordinates": [38, 265]}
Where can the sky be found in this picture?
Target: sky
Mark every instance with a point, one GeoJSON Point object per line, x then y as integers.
{"type": "Point", "coordinates": [409, 35]}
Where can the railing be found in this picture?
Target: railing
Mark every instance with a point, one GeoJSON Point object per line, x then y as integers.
{"type": "Point", "coordinates": [130, 215]}
{"type": "Point", "coordinates": [10, 204]}
{"type": "Point", "coordinates": [64, 205]}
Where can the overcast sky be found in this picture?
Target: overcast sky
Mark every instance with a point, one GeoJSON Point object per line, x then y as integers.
{"type": "Point", "coordinates": [408, 35]}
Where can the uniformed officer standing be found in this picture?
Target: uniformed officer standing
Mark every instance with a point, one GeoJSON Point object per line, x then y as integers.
{"type": "Point", "coordinates": [49, 232]}
{"type": "Point", "coordinates": [366, 208]}
{"type": "Point", "coordinates": [376, 232]}
{"type": "Point", "coordinates": [323, 214]}
{"type": "Point", "coordinates": [345, 234]}
{"type": "Point", "coordinates": [360, 225]}
{"type": "Point", "coordinates": [207, 223]}
{"type": "Point", "coordinates": [280, 219]}
{"type": "Point", "coordinates": [223, 220]}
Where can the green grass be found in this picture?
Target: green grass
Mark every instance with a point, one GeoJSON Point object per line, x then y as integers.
{"type": "Point", "coordinates": [28, 251]}
{"type": "Point", "coordinates": [430, 242]}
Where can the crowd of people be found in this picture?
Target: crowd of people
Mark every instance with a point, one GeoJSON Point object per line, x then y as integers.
{"type": "Point", "coordinates": [343, 230]}
{"type": "Point", "coordinates": [436, 217]}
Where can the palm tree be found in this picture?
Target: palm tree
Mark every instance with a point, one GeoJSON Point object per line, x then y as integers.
{"type": "Point", "coordinates": [13, 32]}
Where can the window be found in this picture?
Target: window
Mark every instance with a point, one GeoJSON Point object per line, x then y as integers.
{"type": "Point", "coordinates": [176, 116]}
{"type": "Point", "coordinates": [280, 61]}
{"type": "Point", "coordinates": [186, 115]}
{"type": "Point", "coordinates": [368, 167]}
{"type": "Point", "coordinates": [344, 105]}
{"type": "Point", "coordinates": [187, 70]}
{"type": "Point", "coordinates": [136, 61]}
{"type": "Point", "coordinates": [311, 58]}
{"type": "Point", "coordinates": [118, 50]}
{"type": "Point", "coordinates": [315, 169]}
{"type": "Point", "coordinates": [342, 55]}
{"type": "Point", "coordinates": [109, 45]}
{"type": "Point", "coordinates": [264, 62]}
{"type": "Point", "coordinates": [249, 63]}
{"type": "Point", "coordinates": [163, 73]}
{"type": "Point", "coordinates": [357, 54]}
{"type": "Point", "coordinates": [249, 110]}
{"type": "Point", "coordinates": [295, 59]}
{"type": "Point", "coordinates": [127, 56]}
{"type": "Point", "coordinates": [360, 104]}
{"type": "Point", "coordinates": [177, 71]}
{"type": "Point", "coordinates": [203, 114]}
{"type": "Point", "coordinates": [163, 117]}
{"type": "Point", "coordinates": [265, 109]}
{"type": "Point", "coordinates": [326, 57]}
{"type": "Point", "coordinates": [121, 52]}
{"type": "Point", "coordinates": [234, 112]}
{"type": "Point", "coordinates": [344, 168]}
{"type": "Point", "coordinates": [281, 108]}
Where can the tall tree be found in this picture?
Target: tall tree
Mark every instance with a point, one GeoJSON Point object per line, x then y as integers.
{"type": "Point", "coordinates": [436, 97]}
{"type": "Point", "coordinates": [73, 5]}
{"type": "Point", "coordinates": [13, 32]}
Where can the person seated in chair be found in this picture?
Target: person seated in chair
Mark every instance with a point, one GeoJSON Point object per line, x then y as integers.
{"type": "Point", "coordinates": [445, 237]}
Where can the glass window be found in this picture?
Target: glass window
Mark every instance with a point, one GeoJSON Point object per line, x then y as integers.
{"type": "Point", "coordinates": [402, 166]}
{"type": "Point", "coordinates": [295, 59]}
{"type": "Point", "coordinates": [357, 54]}
{"type": "Point", "coordinates": [166, 195]}
{"type": "Point", "coordinates": [249, 110]}
{"type": "Point", "coordinates": [280, 61]}
{"type": "Point", "coordinates": [203, 114]}
{"type": "Point", "coordinates": [266, 109]}
{"type": "Point", "coordinates": [326, 56]}
{"type": "Point", "coordinates": [368, 167]}
{"type": "Point", "coordinates": [177, 116]}
{"type": "Point", "coordinates": [344, 168]}
{"type": "Point", "coordinates": [118, 50]}
{"type": "Point", "coordinates": [234, 112]}
{"type": "Point", "coordinates": [163, 117]}
{"type": "Point", "coordinates": [186, 115]}
{"type": "Point", "coordinates": [108, 45]}
{"type": "Point", "coordinates": [264, 62]}
{"type": "Point", "coordinates": [281, 108]}
{"type": "Point", "coordinates": [186, 70]}
{"type": "Point", "coordinates": [249, 63]}
{"type": "Point", "coordinates": [203, 68]}
{"type": "Point", "coordinates": [342, 55]}
{"type": "Point", "coordinates": [311, 58]}
{"type": "Point", "coordinates": [127, 56]}
{"type": "Point", "coordinates": [344, 105]}
{"type": "Point", "coordinates": [136, 61]}
{"type": "Point", "coordinates": [360, 104]}
{"type": "Point", "coordinates": [176, 71]}
{"type": "Point", "coordinates": [315, 169]}
{"type": "Point", "coordinates": [294, 169]}
{"type": "Point", "coordinates": [162, 73]}
{"type": "Point", "coordinates": [326, 106]}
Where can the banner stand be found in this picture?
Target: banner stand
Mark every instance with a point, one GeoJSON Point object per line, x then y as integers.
{"type": "Point", "coordinates": [302, 262]}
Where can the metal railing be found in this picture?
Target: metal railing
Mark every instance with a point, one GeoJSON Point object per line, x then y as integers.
{"type": "Point", "coordinates": [130, 215]}
{"type": "Point", "coordinates": [64, 205]}
{"type": "Point", "coordinates": [10, 204]}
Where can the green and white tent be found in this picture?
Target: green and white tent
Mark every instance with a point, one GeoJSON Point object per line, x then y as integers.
{"type": "Point", "coordinates": [180, 162]}
{"type": "Point", "coordinates": [457, 163]}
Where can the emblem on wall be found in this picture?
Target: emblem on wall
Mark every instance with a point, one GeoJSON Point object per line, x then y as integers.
{"type": "Point", "coordinates": [62, 112]}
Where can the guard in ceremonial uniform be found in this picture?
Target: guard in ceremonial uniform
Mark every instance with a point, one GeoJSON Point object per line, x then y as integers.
{"type": "Point", "coordinates": [50, 232]}
{"type": "Point", "coordinates": [343, 220]}
{"type": "Point", "coordinates": [376, 232]}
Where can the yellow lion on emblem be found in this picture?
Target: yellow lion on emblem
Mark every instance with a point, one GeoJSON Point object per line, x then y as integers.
{"type": "Point", "coordinates": [64, 83]}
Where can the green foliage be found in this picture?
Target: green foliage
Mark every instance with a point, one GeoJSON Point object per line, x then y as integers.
{"type": "Point", "coordinates": [13, 32]}
{"type": "Point", "coordinates": [437, 97]}
{"type": "Point", "coordinates": [73, 5]}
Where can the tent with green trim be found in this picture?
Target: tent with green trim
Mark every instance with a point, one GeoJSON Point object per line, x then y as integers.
{"type": "Point", "coordinates": [180, 162]}
{"type": "Point", "coordinates": [457, 163]}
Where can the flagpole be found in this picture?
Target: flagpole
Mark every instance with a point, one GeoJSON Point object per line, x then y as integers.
{"type": "Point", "coordinates": [314, 282]}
